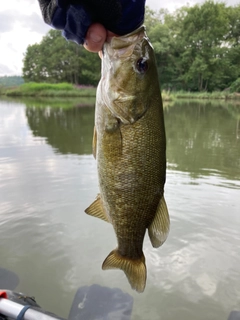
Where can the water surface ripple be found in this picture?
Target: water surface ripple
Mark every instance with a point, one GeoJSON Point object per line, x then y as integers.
{"type": "Point", "coordinates": [48, 177]}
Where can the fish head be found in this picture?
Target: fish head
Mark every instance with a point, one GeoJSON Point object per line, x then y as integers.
{"type": "Point", "coordinates": [129, 75]}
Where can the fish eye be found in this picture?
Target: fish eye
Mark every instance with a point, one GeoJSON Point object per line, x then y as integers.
{"type": "Point", "coordinates": [142, 65]}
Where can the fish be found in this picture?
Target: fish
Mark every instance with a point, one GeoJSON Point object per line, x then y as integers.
{"type": "Point", "coordinates": [129, 144]}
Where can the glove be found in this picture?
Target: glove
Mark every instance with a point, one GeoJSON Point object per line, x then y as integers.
{"type": "Point", "coordinates": [75, 16]}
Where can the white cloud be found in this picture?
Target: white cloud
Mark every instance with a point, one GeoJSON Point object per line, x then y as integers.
{"type": "Point", "coordinates": [21, 24]}
{"type": "Point", "coordinates": [172, 5]}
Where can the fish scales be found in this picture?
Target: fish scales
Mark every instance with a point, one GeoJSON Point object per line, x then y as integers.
{"type": "Point", "coordinates": [130, 147]}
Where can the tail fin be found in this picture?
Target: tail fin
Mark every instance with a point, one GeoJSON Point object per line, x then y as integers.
{"type": "Point", "coordinates": [135, 269]}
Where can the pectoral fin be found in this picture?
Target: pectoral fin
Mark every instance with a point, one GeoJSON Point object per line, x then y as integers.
{"type": "Point", "coordinates": [96, 209]}
{"type": "Point", "coordinates": [159, 228]}
{"type": "Point", "coordinates": [94, 142]}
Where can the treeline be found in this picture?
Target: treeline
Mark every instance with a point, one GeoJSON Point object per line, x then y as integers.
{"type": "Point", "coordinates": [56, 60]}
{"type": "Point", "coordinates": [197, 49]}
{"type": "Point", "coordinates": [10, 81]}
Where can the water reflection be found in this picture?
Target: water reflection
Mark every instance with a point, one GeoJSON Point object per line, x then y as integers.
{"type": "Point", "coordinates": [67, 131]}
{"type": "Point", "coordinates": [202, 139]}
{"type": "Point", "coordinates": [54, 247]}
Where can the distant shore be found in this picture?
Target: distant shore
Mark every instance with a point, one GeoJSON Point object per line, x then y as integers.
{"type": "Point", "coordinates": [67, 90]}
{"type": "Point", "coordinates": [33, 89]}
{"type": "Point", "coordinates": [216, 95]}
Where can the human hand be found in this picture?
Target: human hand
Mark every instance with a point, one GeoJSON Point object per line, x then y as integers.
{"type": "Point", "coordinates": [96, 36]}
{"type": "Point", "coordinates": [90, 22]}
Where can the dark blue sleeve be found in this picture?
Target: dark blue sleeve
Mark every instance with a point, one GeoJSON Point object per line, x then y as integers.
{"type": "Point", "coordinates": [132, 16]}
{"type": "Point", "coordinates": [74, 19]}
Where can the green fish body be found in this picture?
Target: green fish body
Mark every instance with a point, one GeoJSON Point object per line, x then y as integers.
{"type": "Point", "coordinates": [129, 144]}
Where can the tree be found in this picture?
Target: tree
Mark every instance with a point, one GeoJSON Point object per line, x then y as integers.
{"type": "Point", "coordinates": [160, 34]}
{"type": "Point", "coordinates": [197, 48]}
{"type": "Point", "coordinates": [204, 29]}
{"type": "Point", "coordinates": [57, 60]}
{"type": "Point", "coordinates": [9, 81]}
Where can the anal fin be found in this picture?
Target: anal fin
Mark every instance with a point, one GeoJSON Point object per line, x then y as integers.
{"type": "Point", "coordinates": [96, 209]}
{"type": "Point", "coordinates": [159, 228]}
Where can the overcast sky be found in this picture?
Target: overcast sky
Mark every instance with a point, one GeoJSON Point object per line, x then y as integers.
{"type": "Point", "coordinates": [21, 24]}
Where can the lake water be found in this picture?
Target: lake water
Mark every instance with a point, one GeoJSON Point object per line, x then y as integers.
{"type": "Point", "coordinates": [48, 177]}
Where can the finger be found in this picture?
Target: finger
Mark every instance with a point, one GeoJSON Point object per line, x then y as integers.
{"type": "Point", "coordinates": [95, 37]}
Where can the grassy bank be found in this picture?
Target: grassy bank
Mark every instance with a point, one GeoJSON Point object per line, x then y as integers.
{"type": "Point", "coordinates": [217, 95]}
{"type": "Point", "coordinates": [68, 90]}
{"type": "Point", "coordinates": [49, 90]}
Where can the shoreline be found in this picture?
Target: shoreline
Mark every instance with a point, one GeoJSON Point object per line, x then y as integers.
{"type": "Point", "coordinates": [216, 95]}
{"type": "Point", "coordinates": [33, 89]}
{"type": "Point", "coordinates": [66, 90]}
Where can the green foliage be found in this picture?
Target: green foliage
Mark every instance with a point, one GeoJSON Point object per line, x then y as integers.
{"type": "Point", "coordinates": [32, 86]}
{"type": "Point", "coordinates": [235, 86]}
{"type": "Point", "coordinates": [167, 96]}
{"type": "Point", "coordinates": [56, 60]}
{"type": "Point", "coordinates": [9, 81]}
{"type": "Point", "coordinates": [215, 95]}
{"type": "Point", "coordinates": [51, 90]}
{"type": "Point", "coordinates": [197, 49]}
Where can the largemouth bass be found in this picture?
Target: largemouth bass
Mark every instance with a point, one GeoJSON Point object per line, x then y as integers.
{"type": "Point", "coordinates": [130, 147]}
